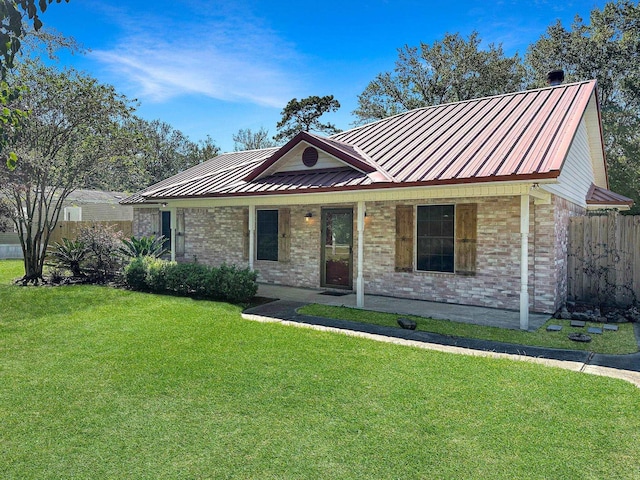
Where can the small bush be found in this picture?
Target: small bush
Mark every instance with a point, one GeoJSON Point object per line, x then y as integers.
{"type": "Point", "coordinates": [103, 260]}
{"type": "Point", "coordinates": [226, 283]}
{"type": "Point", "coordinates": [143, 247]}
{"type": "Point", "coordinates": [69, 255]}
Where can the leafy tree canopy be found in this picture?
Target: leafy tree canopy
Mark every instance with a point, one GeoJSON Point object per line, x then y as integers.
{"type": "Point", "coordinates": [607, 49]}
{"type": "Point", "coordinates": [304, 115]}
{"type": "Point", "coordinates": [449, 70]}
{"type": "Point", "coordinates": [250, 140]}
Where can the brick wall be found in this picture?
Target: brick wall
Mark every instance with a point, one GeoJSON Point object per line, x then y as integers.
{"type": "Point", "coordinates": [215, 235]}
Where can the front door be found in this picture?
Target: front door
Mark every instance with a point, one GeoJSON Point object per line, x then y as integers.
{"type": "Point", "coordinates": [337, 248]}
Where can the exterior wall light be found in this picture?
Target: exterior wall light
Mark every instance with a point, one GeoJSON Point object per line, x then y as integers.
{"type": "Point", "coordinates": [308, 216]}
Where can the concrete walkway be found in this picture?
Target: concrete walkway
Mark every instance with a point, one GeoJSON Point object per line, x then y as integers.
{"type": "Point", "coordinates": [492, 317]}
{"type": "Point", "coordinates": [626, 367]}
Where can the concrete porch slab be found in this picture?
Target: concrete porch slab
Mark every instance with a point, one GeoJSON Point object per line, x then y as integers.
{"type": "Point", "coordinates": [492, 317]}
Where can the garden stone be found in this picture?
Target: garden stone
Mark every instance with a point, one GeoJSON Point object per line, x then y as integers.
{"type": "Point", "coordinates": [597, 330]}
{"type": "Point", "coordinates": [582, 317]}
{"type": "Point", "coordinates": [578, 323]}
{"type": "Point", "coordinates": [579, 337]}
{"type": "Point", "coordinates": [554, 328]}
{"type": "Point", "coordinates": [611, 328]}
{"type": "Point", "coordinates": [407, 324]}
{"type": "Point", "coordinates": [564, 313]}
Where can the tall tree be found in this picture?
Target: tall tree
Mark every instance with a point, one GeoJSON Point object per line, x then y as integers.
{"type": "Point", "coordinates": [12, 31]}
{"type": "Point", "coordinates": [250, 140]}
{"type": "Point", "coordinates": [62, 147]}
{"type": "Point", "coordinates": [607, 49]}
{"type": "Point", "coordinates": [449, 70]}
{"type": "Point", "coordinates": [304, 115]}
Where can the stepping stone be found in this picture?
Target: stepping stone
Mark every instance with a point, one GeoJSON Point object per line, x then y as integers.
{"type": "Point", "coordinates": [554, 328]}
{"type": "Point", "coordinates": [579, 337]}
{"type": "Point", "coordinates": [611, 328]}
{"type": "Point", "coordinates": [578, 323]}
{"type": "Point", "coordinates": [594, 330]}
{"type": "Point", "coordinates": [407, 324]}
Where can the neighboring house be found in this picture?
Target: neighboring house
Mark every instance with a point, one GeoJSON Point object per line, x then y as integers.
{"type": "Point", "coordinates": [95, 206]}
{"type": "Point", "coordinates": [80, 205]}
{"type": "Point", "coordinates": [440, 203]}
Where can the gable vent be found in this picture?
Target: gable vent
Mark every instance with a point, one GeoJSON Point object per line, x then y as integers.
{"type": "Point", "coordinates": [310, 156]}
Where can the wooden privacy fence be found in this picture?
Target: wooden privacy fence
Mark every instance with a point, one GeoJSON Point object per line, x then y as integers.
{"type": "Point", "coordinates": [71, 230]}
{"type": "Point", "coordinates": [604, 259]}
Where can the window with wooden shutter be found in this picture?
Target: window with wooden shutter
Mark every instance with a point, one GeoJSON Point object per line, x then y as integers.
{"type": "Point", "coordinates": [284, 234]}
{"type": "Point", "coordinates": [435, 249]}
{"type": "Point", "coordinates": [404, 238]}
{"type": "Point", "coordinates": [267, 235]}
{"type": "Point", "coordinates": [466, 238]}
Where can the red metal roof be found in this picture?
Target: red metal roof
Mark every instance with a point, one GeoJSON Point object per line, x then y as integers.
{"type": "Point", "coordinates": [602, 196]}
{"type": "Point", "coordinates": [522, 135]}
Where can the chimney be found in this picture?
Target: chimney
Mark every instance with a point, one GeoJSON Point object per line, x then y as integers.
{"type": "Point", "coordinates": [555, 77]}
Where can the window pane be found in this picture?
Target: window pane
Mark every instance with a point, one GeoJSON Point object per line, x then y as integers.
{"type": "Point", "coordinates": [435, 241]}
{"type": "Point", "coordinates": [267, 235]}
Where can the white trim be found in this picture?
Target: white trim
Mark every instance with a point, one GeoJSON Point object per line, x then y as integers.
{"type": "Point", "coordinates": [360, 277]}
{"type": "Point", "coordinates": [524, 262]}
{"type": "Point", "coordinates": [252, 237]}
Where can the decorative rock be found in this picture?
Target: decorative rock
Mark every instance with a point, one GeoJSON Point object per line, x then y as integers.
{"type": "Point", "coordinates": [617, 318]}
{"type": "Point", "coordinates": [602, 319]}
{"type": "Point", "coordinates": [579, 337]}
{"type": "Point", "coordinates": [578, 323]}
{"type": "Point", "coordinates": [597, 330]}
{"type": "Point", "coordinates": [582, 316]}
{"type": "Point", "coordinates": [611, 328]}
{"type": "Point", "coordinates": [564, 314]}
{"type": "Point", "coordinates": [596, 312]}
{"type": "Point", "coordinates": [554, 328]}
{"type": "Point", "coordinates": [407, 324]}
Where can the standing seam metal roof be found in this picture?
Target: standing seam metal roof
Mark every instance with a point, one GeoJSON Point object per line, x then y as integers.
{"type": "Point", "coordinates": [519, 135]}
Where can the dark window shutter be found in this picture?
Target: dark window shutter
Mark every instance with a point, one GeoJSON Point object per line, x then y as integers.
{"type": "Point", "coordinates": [155, 223]}
{"type": "Point", "coordinates": [245, 233]}
{"type": "Point", "coordinates": [180, 232]}
{"type": "Point", "coordinates": [284, 234]}
{"type": "Point", "coordinates": [404, 238]}
{"type": "Point", "coordinates": [466, 238]}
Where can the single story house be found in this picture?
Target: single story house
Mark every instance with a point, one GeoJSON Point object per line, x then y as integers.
{"type": "Point", "coordinates": [466, 203]}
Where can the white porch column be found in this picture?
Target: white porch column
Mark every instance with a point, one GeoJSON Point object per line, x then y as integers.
{"type": "Point", "coordinates": [524, 262]}
{"type": "Point", "coordinates": [360, 277]}
{"type": "Point", "coordinates": [252, 236]}
{"type": "Point", "coordinates": [174, 227]}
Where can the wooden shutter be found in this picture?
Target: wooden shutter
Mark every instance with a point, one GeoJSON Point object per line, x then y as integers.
{"type": "Point", "coordinates": [245, 233]}
{"type": "Point", "coordinates": [180, 232]}
{"type": "Point", "coordinates": [466, 238]}
{"type": "Point", "coordinates": [284, 234]}
{"type": "Point", "coordinates": [404, 238]}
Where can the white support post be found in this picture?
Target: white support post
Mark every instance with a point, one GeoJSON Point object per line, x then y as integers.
{"type": "Point", "coordinates": [174, 226]}
{"type": "Point", "coordinates": [524, 262]}
{"type": "Point", "coordinates": [360, 278]}
{"type": "Point", "coordinates": [252, 236]}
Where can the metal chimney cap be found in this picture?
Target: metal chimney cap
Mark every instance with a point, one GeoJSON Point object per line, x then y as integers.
{"type": "Point", "coordinates": [555, 77]}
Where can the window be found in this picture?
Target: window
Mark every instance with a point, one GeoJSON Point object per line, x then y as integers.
{"type": "Point", "coordinates": [165, 228]}
{"type": "Point", "coordinates": [435, 238]}
{"type": "Point", "coordinates": [267, 235]}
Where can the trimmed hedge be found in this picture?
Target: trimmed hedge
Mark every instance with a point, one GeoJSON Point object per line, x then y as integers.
{"type": "Point", "coordinates": [227, 282]}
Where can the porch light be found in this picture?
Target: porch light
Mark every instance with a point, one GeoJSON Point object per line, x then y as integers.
{"type": "Point", "coordinates": [308, 216]}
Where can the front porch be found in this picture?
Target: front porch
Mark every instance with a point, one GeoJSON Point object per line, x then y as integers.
{"type": "Point", "coordinates": [485, 316]}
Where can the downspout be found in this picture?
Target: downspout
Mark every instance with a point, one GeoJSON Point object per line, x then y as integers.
{"type": "Point", "coordinates": [252, 237]}
{"type": "Point", "coordinates": [360, 277]}
{"type": "Point", "coordinates": [524, 262]}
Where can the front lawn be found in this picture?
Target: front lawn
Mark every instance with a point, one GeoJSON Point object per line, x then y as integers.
{"type": "Point", "coordinates": [98, 383]}
{"type": "Point", "coordinates": [621, 342]}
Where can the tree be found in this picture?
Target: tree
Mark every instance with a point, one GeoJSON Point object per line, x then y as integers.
{"type": "Point", "coordinates": [304, 115]}
{"type": "Point", "coordinates": [248, 140]}
{"type": "Point", "coordinates": [452, 69]}
{"type": "Point", "coordinates": [12, 31]}
{"type": "Point", "coordinates": [147, 153]}
{"type": "Point", "coordinates": [62, 147]}
{"type": "Point", "coordinates": [607, 49]}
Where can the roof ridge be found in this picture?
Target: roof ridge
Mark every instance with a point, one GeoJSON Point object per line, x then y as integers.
{"type": "Point", "coordinates": [427, 107]}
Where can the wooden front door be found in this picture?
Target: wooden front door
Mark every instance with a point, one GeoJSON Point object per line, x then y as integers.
{"type": "Point", "coordinates": [337, 248]}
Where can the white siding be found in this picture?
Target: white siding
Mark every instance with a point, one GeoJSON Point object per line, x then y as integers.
{"type": "Point", "coordinates": [577, 172]}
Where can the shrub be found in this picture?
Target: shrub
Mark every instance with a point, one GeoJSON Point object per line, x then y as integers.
{"type": "Point", "coordinates": [103, 259]}
{"type": "Point", "coordinates": [227, 283]}
{"type": "Point", "coordinates": [143, 247]}
{"type": "Point", "coordinates": [135, 274]}
{"type": "Point", "coordinates": [69, 255]}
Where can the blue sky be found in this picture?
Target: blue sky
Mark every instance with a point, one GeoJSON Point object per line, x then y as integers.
{"type": "Point", "coordinates": [212, 68]}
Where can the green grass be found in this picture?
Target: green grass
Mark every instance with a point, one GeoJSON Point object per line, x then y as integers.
{"type": "Point", "coordinates": [621, 342]}
{"type": "Point", "coordinates": [103, 383]}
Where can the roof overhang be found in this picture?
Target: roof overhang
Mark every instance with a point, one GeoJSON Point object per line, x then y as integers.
{"type": "Point", "coordinates": [600, 198]}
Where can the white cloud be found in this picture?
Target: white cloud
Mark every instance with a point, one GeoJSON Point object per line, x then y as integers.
{"type": "Point", "coordinates": [228, 59]}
